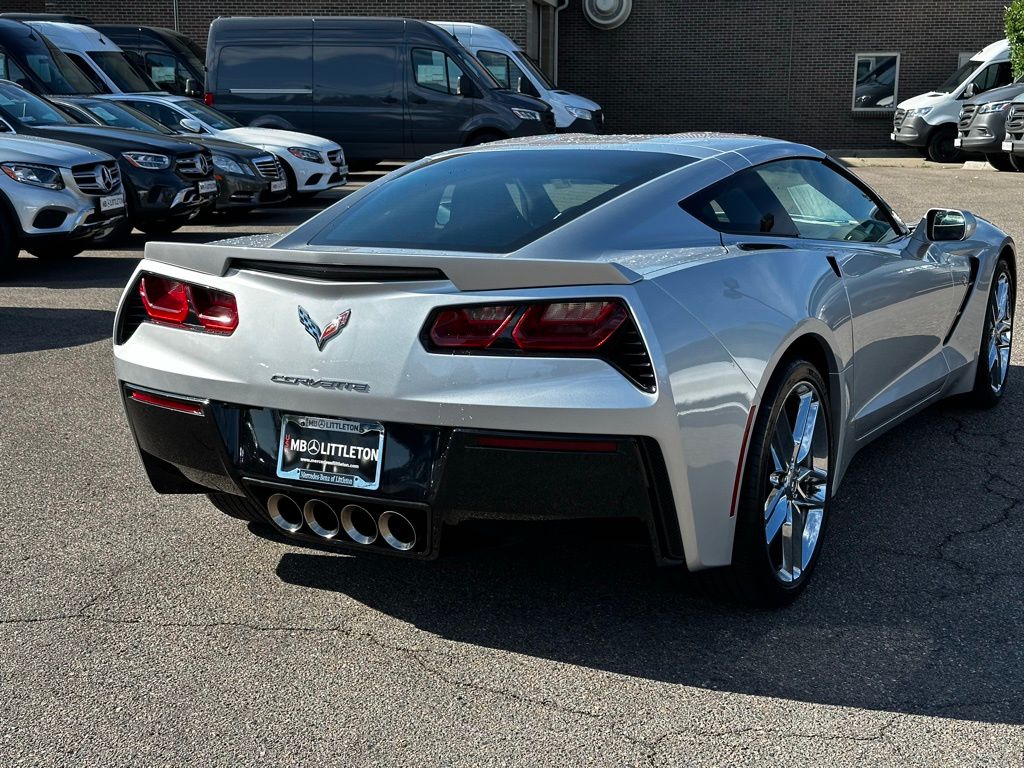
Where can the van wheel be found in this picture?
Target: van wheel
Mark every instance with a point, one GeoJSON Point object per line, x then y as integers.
{"type": "Point", "coordinates": [485, 137]}
{"type": "Point", "coordinates": [1001, 162]}
{"type": "Point", "coordinates": [941, 148]}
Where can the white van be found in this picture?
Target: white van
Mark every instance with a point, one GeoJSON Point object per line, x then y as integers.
{"type": "Point", "coordinates": [106, 65]}
{"type": "Point", "coordinates": [511, 67]}
{"type": "Point", "coordinates": [929, 121]}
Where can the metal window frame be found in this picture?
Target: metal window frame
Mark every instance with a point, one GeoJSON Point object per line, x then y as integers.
{"type": "Point", "coordinates": [895, 85]}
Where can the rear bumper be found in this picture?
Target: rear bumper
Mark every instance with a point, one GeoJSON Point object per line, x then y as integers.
{"type": "Point", "coordinates": [442, 474]}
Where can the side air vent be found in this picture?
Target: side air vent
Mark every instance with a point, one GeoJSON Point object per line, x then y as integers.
{"type": "Point", "coordinates": [341, 273]}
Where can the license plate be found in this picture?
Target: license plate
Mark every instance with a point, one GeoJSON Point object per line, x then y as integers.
{"type": "Point", "coordinates": [112, 202]}
{"type": "Point", "coordinates": [958, 142]}
{"type": "Point", "coordinates": [892, 137]}
{"type": "Point", "coordinates": [208, 186]}
{"type": "Point", "coordinates": [1007, 146]}
{"type": "Point", "coordinates": [331, 451]}
{"type": "Point", "coordinates": [278, 186]}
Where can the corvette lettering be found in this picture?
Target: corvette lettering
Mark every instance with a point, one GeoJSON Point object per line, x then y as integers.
{"type": "Point", "coordinates": [305, 381]}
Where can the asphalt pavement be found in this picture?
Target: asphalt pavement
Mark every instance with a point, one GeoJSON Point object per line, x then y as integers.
{"type": "Point", "coordinates": [144, 630]}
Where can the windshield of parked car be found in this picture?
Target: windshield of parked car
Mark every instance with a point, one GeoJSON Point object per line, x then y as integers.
{"type": "Point", "coordinates": [29, 109]}
{"type": "Point", "coordinates": [527, 63]}
{"type": "Point", "coordinates": [967, 69]}
{"type": "Point", "coordinates": [116, 66]}
{"type": "Point", "coordinates": [216, 120]}
{"type": "Point", "coordinates": [57, 72]}
{"type": "Point", "coordinates": [494, 202]}
{"type": "Point", "coordinates": [120, 116]}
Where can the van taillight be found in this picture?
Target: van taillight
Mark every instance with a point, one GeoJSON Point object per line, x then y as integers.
{"type": "Point", "coordinates": [208, 99]}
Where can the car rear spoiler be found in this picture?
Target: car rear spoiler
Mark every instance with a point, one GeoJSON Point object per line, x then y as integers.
{"type": "Point", "coordinates": [471, 272]}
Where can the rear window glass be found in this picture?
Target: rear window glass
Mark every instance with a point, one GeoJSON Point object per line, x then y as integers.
{"type": "Point", "coordinates": [492, 202]}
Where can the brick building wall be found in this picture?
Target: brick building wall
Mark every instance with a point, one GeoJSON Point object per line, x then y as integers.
{"type": "Point", "coordinates": [195, 15]}
{"type": "Point", "coordinates": [776, 67]}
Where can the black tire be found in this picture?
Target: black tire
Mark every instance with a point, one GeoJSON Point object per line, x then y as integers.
{"type": "Point", "coordinates": [9, 243]}
{"type": "Point", "coordinates": [289, 177]}
{"type": "Point", "coordinates": [237, 506]}
{"type": "Point", "coordinates": [57, 251]}
{"type": "Point", "coordinates": [161, 228]}
{"type": "Point", "coordinates": [985, 393]}
{"type": "Point", "coordinates": [754, 577]}
{"type": "Point", "coordinates": [1001, 162]}
{"type": "Point", "coordinates": [1017, 162]}
{"type": "Point", "coordinates": [941, 148]}
{"type": "Point", "coordinates": [485, 137]}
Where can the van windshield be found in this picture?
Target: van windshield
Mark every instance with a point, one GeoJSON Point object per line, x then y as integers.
{"type": "Point", "coordinates": [116, 66]}
{"type": "Point", "coordinates": [59, 74]}
{"type": "Point", "coordinates": [492, 202]}
{"type": "Point", "coordinates": [527, 63]}
{"type": "Point", "coordinates": [967, 69]}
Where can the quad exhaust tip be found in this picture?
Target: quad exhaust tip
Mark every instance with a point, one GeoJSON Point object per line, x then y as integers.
{"type": "Point", "coordinates": [397, 531]}
{"type": "Point", "coordinates": [359, 524]}
{"type": "Point", "coordinates": [286, 514]}
{"type": "Point", "coordinates": [321, 518]}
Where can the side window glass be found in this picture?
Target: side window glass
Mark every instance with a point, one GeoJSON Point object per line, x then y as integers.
{"type": "Point", "coordinates": [993, 76]}
{"type": "Point", "coordinates": [436, 72]}
{"type": "Point", "coordinates": [428, 70]}
{"type": "Point", "coordinates": [498, 65]}
{"type": "Point", "coordinates": [742, 204]}
{"type": "Point", "coordinates": [824, 205]}
{"type": "Point", "coordinates": [11, 71]}
{"type": "Point", "coordinates": [162, 70]}
{"type": "Point", "coordinates": [88, 72]}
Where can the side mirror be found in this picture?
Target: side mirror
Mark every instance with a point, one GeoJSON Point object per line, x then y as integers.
{"type": "Point", "coordinates": [191, 125]}
{"type": "Point", "coordinates": [945, 226]}
{"type": "Point", "coordinates": [466, 88]}
{"type": "Point", "coordinates": [970, 91]}
{"type": "Point", "coordinates": [191, 89]}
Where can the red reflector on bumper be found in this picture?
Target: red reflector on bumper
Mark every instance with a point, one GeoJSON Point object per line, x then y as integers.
{"type": "Point", "coordinates": [540, 444]}
{"type": "Point", "coordinates": [182, 406]}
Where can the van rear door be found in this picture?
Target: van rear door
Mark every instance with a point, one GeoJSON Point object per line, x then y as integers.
{"type": "Point", "coordinates": [264, 70]}
{"type": "Point", "coordinates": [357, 87]}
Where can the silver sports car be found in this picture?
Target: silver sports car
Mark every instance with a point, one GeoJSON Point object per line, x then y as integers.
{"type": "Point", "coordinates": [698, 331]}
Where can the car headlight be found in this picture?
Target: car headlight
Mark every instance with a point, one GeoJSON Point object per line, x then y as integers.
{"type": "Point", "coordinates": [527, 114]}
{"type": "Point", "coordinates": [996, 106]}
{"type": "Point", "coordinates": [147, 160]}
{"type": "Point", "coordinates": [309, 155]}
{"type": "Point", "coordinates": [227, 165]}
{"type": "Point", "coordinates": [920, 111]}
{"type": "Point", "coordinates": [582, 114]}
{"type": "Point", "coordinates": [36, 175]}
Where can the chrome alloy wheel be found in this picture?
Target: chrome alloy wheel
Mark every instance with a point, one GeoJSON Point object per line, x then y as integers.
{"type": "Point", "coordinates": [798, 487]}
{"type": "Point", "coordinates": [1001, 336]}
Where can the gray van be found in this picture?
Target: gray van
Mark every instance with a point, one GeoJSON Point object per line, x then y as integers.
{"type": "Point", "coordinates": [383, 88]}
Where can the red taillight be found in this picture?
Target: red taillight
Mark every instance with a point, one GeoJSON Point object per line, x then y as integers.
{"type": "Point", "coordinates": [191, 306]}
{"type": "Point", "coordinates": [164, 299]}
{"type": "Point", "coordinates": [471, 327]}
{"type": "Point", "coordinates": [208, 99]}
{"type": "Point", "coordinates": [217, 310]}
{"type": "Point", "coordinates": [573, 325]}
{"type": "Point", "coordinates": [170, 403]}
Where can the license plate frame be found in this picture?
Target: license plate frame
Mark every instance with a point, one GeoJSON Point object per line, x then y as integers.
{"type": "Point", "coordinates": [109, 203]}
{"type": "Point", "coordinates": [336, 452]}
{"type": "Point", "coordinates": [207, 187]}
{"type": "Point", "coordinates": [278, 186]}
{"type": "Point", "coordinates": [958, 142]}
{"type": "Point", "coordinates": [1007, 146]}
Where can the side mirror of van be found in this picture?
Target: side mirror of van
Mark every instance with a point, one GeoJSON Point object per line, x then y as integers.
{"type": "Point", "coordinates": [970, 91]}
{"type": "Point", "coordinates": [191, 89]}
{"type": "Point", "coordinates": [191, 125]}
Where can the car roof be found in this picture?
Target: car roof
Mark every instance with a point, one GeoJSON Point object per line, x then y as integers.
{"type": "Point", "coordinates": [698, 145]}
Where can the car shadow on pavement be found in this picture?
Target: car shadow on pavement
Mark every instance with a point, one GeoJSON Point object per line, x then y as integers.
{"type": "Point", "coordinates": [84, 271]}
{"type": "Point", "coordinates": [916, 606]}
{"type": "Point", "coordinates": [31, 329]}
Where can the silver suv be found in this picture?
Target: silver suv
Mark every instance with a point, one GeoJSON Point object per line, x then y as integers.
{"type": "Point", "coordinates": [55, 198]}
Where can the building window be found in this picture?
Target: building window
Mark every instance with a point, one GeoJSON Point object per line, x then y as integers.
{"type": "Point", "coordinates": [876, 80]}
